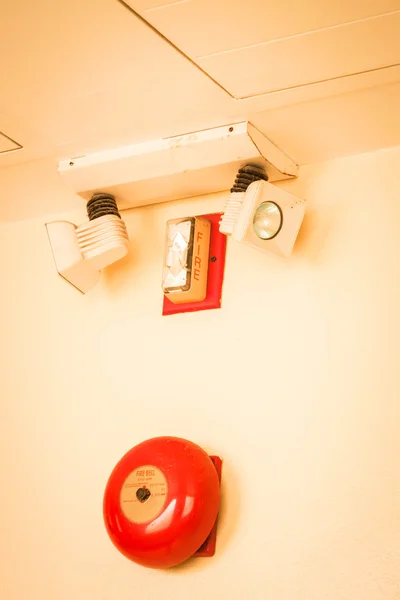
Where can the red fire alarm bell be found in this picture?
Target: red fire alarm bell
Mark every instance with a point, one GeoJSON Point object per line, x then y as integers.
{"type": "Point", "coordinates": [161, 502]}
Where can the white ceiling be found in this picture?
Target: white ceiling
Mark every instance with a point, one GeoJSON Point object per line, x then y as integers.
{"type": "Point", "coordinates": [257, 47]}
{"type": "Point", "coordinates": [319, 78]}
{"type": "Point", "coordinates": [223, 27]}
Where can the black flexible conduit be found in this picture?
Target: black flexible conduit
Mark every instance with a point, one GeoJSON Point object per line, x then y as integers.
{"type": "Point", "coordinates": [101, 204]}
{"type": "Point", "coordinates": [246, 175]}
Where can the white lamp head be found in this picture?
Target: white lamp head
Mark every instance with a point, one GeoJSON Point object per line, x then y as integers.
{"type": "Point", "coordinates": [262, 215]}
{"type": "Point", "coordinates": [269, 219]}
{"type": "Point", "coordinates": [80, 252]}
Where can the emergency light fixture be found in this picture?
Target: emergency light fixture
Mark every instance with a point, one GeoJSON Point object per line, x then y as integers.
{"type": "Point", "coordinates": [81, 252]}
{"type": "Point", "coordinates": [262, 215]}
{"type": "Point", "coordinates": [182, 166]}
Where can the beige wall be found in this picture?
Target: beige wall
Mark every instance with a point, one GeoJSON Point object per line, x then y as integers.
{"type": "Point", "coordinates": [293, 383]}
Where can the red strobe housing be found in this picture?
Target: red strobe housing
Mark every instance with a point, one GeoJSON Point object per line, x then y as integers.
{"type": "Point", "coordinates": [161, 502]}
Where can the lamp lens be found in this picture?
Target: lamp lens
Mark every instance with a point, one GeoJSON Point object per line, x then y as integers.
{"type": "Point", "coordinates": [267, 220]}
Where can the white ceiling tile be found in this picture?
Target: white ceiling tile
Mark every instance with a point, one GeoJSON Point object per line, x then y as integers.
{"type": "Point", "coordinates": [300, 60]}
{"type": "Point", "coordinates": [202, 27]}
{"type": "Point", "coordinates": [325, 89]}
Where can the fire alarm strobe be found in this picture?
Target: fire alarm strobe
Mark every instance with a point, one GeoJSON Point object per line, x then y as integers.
{"type": "Point", "coordinates": [161, 502]}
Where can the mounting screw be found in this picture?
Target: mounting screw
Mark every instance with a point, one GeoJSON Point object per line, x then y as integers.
{"type": "Point", "coordinates": [230, 129]}
{"type": "Point", "coordinates": [71, 164]}
{"type": "Point", "coordinates": [213, 259]}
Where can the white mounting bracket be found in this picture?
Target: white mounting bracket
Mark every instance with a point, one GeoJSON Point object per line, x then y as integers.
{"type": "Point", "coordinates": [178, 167]}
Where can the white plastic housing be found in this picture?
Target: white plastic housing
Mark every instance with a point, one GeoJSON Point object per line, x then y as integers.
{"type": "Point", "coordinates": [178, 167]}
{"type": "Point", "coordinates": [81, 252]}
{"type": "Point", "coordinates": [292, 210]}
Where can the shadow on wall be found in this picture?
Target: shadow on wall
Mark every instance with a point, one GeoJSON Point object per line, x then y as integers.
{"type": "Point", "coordinates": [227, 521]}
{"type": "Point", "coordinates": [318, 226]}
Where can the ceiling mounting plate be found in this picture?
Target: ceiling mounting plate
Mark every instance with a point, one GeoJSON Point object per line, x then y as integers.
{"type": "Point", "coordinates": [178, 167]}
